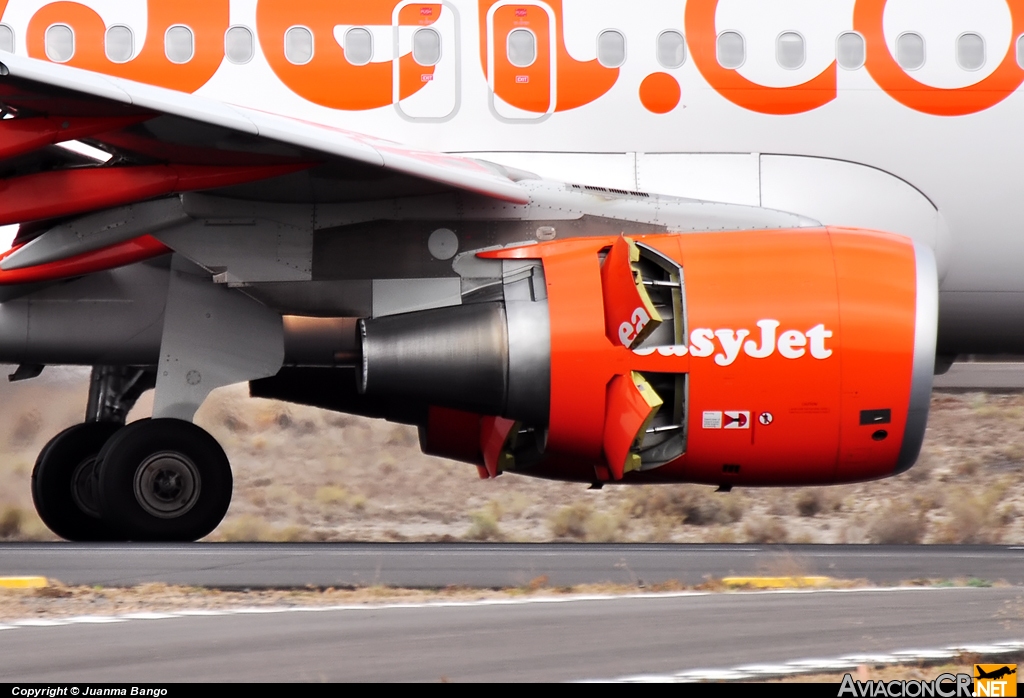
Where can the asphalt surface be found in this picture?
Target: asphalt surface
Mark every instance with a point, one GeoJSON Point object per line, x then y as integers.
{"type": "Point", "coordinates": [434, 565]}
{"type": "Point", "coordinates": [567, 640]}
{"type": "Point", "coordinates": [989, 376]}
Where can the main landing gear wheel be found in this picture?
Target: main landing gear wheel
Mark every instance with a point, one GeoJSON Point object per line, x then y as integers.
{"type": "Point", "coordinates": [163, 480]}
{"type": "Point", "coordinates": [64, 484]}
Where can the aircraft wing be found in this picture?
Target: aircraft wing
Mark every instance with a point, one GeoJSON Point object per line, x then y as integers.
{"type": "Point", "coordinates": [162, 142]}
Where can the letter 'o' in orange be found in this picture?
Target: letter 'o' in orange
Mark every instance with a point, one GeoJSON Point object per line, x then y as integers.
{"type": "Point", "coordinates": [703, 39]}
{"type": "Point", "coordinates": [939, 101]}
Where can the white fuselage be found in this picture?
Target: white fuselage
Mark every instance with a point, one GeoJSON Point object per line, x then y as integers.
{"type": "Point", "coordinates": [860, 157]}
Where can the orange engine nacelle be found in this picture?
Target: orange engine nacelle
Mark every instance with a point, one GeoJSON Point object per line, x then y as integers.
{"type": "Point", "coordinates": [749, 358]}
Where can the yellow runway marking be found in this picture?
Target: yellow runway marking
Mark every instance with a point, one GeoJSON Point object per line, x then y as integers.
{"type": "Point", "coordinates": [775, 582]}
{"type": "Point", "coordinates": [23, 582]}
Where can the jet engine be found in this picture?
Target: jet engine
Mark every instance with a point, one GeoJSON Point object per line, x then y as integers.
{"type": "Point", "coordinates": [749, 358]}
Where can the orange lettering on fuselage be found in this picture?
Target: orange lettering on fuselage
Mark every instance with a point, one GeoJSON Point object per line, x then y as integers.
{"type": "Point", "coordinates": [577, 82]}
{"type": "Point", "coordinates": [329, 79]}
{"type": "Point", "coordinates": [703, 39]}
{"type": "Point", "coordinates": [867, 19]}
{"type": "Point", "coordinates": [208, 20]}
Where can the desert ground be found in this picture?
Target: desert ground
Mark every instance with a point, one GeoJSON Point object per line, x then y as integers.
{"type": "Point", "coordinates": [303, 474]}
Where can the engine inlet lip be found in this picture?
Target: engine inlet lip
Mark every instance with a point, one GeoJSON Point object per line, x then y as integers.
{"type": "Point", "coordinates": [361, 376]}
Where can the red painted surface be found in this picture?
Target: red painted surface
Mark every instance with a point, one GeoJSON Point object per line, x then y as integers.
{"type": "Point", "coordinates": [66, 192]}
{"type": "Point", "coordinates": [18, 136]}
{"type": "Point", "coordinates": [838, 309]}
{"type": "Point", "coordinates": [494, 439]}
{"type": "Point", "coordinates": [118, 255]}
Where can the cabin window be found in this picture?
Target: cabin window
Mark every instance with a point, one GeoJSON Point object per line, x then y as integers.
{"type": "Point", "coordinates": [611, 48]}
{"type": "Point", "coordinates": [850, 50]}
{"type": "Point", "coordinates": [178, 44]}
{"type": "Point", "coordinates": [522, 48]}
{"type": "Point", "coordinates": [671, 49]}
{"type": "Point", "coordinates": [1020, 50]}
{"type": "Point", "coordinates": [238, 45]}
{"type": "Point", "coordinates": [731, 49]}
{"type": "Point", "coordinates": [358, 46]}
{"type": "Point", "coordinates": [6, 38]}
{"type": "Point", "coordinates": [910, 50]}
{"type": "Point", "coordinates": [426, 47]}
{"type": "Point", "coordinates": [60, 43]}
{"type": "Point", "coordinates": [970, 51]}
{"type": "Point", "coordinates": [789, 50]}
{"type": "Point", "coordinates": [298, 45]}
{"type": "Point", "coordinates": [119, 44]}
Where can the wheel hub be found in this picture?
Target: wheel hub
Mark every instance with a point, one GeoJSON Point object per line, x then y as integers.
{"type": "Point", "coordinates": [84, 487]}
{"type": "Point", "coordinates": [167, 484]}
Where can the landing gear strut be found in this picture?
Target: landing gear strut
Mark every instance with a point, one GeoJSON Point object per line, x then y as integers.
{"type": "Point", "coordinates": [153, 480]}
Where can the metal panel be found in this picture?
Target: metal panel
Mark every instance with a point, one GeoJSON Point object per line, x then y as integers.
{"type": "Point", "coordinates": [394, 296]}
{"type": "Point", "coordinates": [212, 337]}
{"type": "Point", "coordinates": [724, 177]}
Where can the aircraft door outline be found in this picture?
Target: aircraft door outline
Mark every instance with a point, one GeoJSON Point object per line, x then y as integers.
{"type": "Point", "coordinates": [440, 100]}
{"type": "Point", "coordinates": [512, 113]}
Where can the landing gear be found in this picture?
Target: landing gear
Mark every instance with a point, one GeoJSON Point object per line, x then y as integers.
{"type": "Point", "coordinates": [64, 483]}
{"type": "Point", "coordinates": [153, 480]}
{"type": "Point", "coordinates": [163, 480]}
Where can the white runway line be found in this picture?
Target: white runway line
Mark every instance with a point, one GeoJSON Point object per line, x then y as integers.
{"type": "Point", "coordinates": [749, 672]}
{"type": "Point", "coordinates": [568, 598]}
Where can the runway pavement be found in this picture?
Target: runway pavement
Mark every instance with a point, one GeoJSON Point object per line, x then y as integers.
{"type": "Point", "coordinates": [995, 376]}
{"type": "Point", "coordinates": [528, 640]}
{"type": "Point", "coordinates": [433, 565]}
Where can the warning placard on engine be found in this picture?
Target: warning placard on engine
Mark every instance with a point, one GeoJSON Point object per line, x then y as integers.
{"type": "Point", "coordinates": [712, 420]}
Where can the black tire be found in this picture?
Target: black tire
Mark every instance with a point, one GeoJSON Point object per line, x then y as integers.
{"type": "Point", "coordinates": [163, 480]}
{"type": "Point", "coordinates": [64, 483]}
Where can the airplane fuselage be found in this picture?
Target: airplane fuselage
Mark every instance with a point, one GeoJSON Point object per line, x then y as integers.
{"type": "Point", "coordinates": [743, 101]}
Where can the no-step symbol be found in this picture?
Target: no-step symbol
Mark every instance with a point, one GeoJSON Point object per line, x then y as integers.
{"type": "Point", "coordinates": [765, 418]}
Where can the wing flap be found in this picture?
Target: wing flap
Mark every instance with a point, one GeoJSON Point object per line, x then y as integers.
{"type": "Point", "coordinates": [31, 84]}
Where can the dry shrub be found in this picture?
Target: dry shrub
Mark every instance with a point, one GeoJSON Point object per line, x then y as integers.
{"type": "Point", "coordinates": [765, 529]}
{"type": "Point", "coordinates": [571, 521]}
{"type": "Point", "coordinates": [809, 502]}
{"type": "Point", "coordinates": [968, 467]}
{"type": "Point", "coordinates": [537, 583]}
{"type": "Point", "coordinates": [977, 517]}
{"type": "Point", "coordinates": [581, 522]}
{"type": "Point", "coordinates": [336, 496]}
{"type": "Point", "coordinates": [11, 520]}
{"type": "Point", "coordinates": [484, 525]}
{"type": "Point", "coordinates": [331, 494]}
{"type": "Point", "coordinates": [604, 528]}
{"type": "Point", "coordinates": [696, 506]}
{"type": "Point", "coordinates": [26, 428]}
{"type": "Point", "coordinates": [896, 525]}
{"type": "Point", "coordinates": [249, 528]}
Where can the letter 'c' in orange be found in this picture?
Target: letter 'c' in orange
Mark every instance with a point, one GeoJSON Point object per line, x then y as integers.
{"type": "Point", "coordinates": [939, 101]}
{"type": "Point", "coordinates": [703, 38]}
{"type": "Point", "coordinates": [208, 20]}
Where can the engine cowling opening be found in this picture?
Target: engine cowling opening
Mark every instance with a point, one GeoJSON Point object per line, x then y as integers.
{"type": "Point", "coordinates": [750, 358]}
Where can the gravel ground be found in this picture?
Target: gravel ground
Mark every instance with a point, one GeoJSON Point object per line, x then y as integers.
{"type": "Point", "coordinates": [303, 474]}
